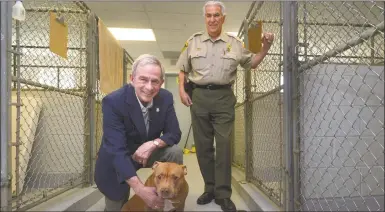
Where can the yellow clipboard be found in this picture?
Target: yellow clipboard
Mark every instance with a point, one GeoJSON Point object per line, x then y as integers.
{"type": "Point", "coordinates": [255, 40]}
{"type": "Point", "coordinates": [58, 36]}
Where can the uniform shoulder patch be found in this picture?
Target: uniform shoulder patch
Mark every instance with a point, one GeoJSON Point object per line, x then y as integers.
{"type": "Point", "coordinates": [184, 47]}
{"type": "Point", "coordinates": [190, 38]}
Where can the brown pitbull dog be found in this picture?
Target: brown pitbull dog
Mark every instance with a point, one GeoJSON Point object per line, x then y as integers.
{"type": "Point", "coordinates": [170, 183]}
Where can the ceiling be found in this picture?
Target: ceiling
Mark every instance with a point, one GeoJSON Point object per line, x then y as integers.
{"type": "Point", "coordinates": [173, 22]}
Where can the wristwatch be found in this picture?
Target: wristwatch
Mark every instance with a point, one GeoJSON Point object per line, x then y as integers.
{"type": "Point", "coordinates": [156, 143]}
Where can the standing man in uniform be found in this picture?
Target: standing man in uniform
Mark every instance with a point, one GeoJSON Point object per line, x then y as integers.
{"type": "Point", "coordinates": [210, 60]}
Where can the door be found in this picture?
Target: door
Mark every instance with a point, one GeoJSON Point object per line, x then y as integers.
{"type": "Point", "coordinates": [182, 112]}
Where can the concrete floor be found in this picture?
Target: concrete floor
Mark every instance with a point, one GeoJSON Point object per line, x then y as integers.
{"type": "Point", "coordinates": [194, 178]}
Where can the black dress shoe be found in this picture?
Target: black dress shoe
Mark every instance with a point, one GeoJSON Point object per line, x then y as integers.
{"type": "Point", "coordinates": [226, 204]}
{"type": "Point", "coordinates": [205, 198]}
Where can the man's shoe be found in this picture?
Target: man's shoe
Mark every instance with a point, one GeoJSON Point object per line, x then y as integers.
{"type": "Point", "coordinates": [226, 204]}
{"type": "Point", "coordinates": [205, 198]}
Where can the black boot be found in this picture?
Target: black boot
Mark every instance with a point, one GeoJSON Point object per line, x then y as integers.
{"type": "Point", "coordinates": [205, 198]}
{"type": "Point", "coordinates": [226, 204]}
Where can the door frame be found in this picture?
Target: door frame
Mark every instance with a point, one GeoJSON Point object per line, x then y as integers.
{"type": "Point", "coordinates": [169, 74]}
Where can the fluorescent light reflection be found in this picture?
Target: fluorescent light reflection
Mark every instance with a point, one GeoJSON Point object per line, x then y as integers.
{"type": "Point", "coordinates": [132, 34]}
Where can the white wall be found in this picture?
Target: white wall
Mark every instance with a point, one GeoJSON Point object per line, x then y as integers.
{"type": "Point", "coordinates": [342, 136]}
{"type": "Point", "coordinates": [182, 112]}
{"type": "Point", "coordinates": [342, 116]}
{"type": "Point", "coordinates": [30, 109]}
{"type": "Point", "coordinates": [267, 138]}
{"type": "Point", "coordinates": [58, 141]}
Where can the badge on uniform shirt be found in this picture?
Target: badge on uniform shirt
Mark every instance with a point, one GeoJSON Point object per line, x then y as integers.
{"type": "Point", "coordinates": [228, 48]}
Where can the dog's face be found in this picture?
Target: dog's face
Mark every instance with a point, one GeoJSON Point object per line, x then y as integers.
{"type": "Point", "coordinates": [168, 178]}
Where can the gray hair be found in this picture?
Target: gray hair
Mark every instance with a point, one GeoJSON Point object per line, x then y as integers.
{"type": "Point", "coordinates": [213, 3]}
{"type": "Point", "coordinates": [146, 59]}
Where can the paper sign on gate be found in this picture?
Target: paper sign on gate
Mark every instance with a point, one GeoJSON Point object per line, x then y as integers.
{"type": "Point", "coordinates": [255, 37]}
{"type": "Point", "coordinates": [58, 36]}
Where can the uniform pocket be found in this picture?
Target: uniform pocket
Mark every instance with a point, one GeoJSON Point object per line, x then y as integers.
{"type": "Point", "coordinates": [199, 59]}
{"type": "Point", "coordinates": [230, 61]}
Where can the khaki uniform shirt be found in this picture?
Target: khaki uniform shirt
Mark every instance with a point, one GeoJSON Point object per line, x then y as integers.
{"type": "Point", "coordinates": [213, 62]}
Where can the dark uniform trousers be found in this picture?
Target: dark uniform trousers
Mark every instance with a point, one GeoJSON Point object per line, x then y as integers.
{"type": "Point", "coordinates": [212, 115]}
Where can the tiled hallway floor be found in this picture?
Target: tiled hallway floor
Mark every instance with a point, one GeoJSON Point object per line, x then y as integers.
{"type": "Point", "coordinates": [194, 178]}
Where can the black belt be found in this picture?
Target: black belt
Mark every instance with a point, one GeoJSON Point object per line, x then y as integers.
{"type": "Point", "coordinates": [211, 86]}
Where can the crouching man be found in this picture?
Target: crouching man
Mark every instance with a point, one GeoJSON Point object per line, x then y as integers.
{"type": "Point", "coordinates": [139, 127]}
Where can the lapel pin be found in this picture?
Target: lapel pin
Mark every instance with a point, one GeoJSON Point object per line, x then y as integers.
{"type": "Point", "coordinates": [157, 109]}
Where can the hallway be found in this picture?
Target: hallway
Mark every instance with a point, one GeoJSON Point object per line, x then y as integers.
{"type": "Point", "coordinates": [309, 120]}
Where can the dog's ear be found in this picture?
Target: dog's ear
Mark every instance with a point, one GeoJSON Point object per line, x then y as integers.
{"type": "Point", "coordinates": [156, 164]}
{"type": "Point", "coordinates": [184, 169]}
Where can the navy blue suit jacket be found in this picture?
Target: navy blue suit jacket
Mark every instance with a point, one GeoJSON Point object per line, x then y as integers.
{"type": "Point", "coordinates": [124, 131]}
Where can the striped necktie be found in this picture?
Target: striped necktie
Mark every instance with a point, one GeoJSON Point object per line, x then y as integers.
{"type": "Point", "coordinates": [146, 114]}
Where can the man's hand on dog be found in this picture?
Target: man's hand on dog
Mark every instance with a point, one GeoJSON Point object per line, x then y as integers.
{"type": "Point", "coordinates": [151, 198]}
{"type": "Point", "coordinates": [143, 153]}
{"type": "Point", "coordinates": [147, 194]}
